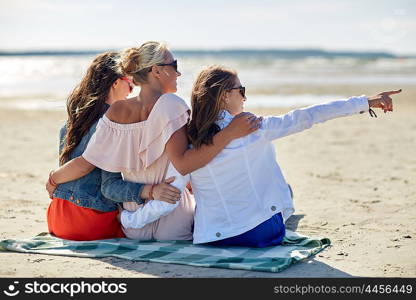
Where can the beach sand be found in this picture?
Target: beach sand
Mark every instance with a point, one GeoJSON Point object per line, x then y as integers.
{"type": "Point", "coordinates": [354, 181]}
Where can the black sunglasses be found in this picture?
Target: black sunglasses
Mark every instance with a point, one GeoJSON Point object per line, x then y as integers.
{"type": "Point", "coordinates": [174, 64]}
{"type": "Point", "coordinates": [242, 90]}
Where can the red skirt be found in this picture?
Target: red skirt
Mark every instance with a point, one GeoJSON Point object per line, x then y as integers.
{"type": "Point", "coordinates": [71, 222]}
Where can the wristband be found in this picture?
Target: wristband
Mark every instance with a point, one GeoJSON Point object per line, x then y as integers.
{"type": "Point", "coordinates": [372, 113]}
{"type": "Point", "coordinates": [151, 192]}
{"type": "Point", "coordinates": [51, 181]}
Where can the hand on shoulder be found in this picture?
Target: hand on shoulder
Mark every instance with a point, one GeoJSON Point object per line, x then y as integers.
{"type": "Point", "coordinates": [243, 124]}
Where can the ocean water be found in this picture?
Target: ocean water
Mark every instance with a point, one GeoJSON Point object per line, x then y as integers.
{"type": "Point", "coordinates": [42, 82]}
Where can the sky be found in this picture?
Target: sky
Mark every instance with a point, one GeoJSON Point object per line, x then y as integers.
{"type": "Point", "coordinates": [354, 25]}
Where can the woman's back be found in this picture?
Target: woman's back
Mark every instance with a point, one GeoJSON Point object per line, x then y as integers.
{"type": "Point", "coordinates": [237, 190]}
{"type": "Point", "coordinates": [138, 151]}
{"type": "Point", "coordinates": [138, 148]}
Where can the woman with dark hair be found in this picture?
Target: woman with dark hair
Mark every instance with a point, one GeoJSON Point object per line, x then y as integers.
{"type": "Point", "coordinates": [87, 208]}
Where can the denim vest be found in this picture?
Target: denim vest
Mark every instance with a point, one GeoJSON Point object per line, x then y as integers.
{"type": "Point", "coordinates": [100, 190]}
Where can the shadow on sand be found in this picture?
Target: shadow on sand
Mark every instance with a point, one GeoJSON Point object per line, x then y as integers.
{"type": "Point", "coordinates": [293, 222]}
{"type": "Point", "coordinates": [307, 268]}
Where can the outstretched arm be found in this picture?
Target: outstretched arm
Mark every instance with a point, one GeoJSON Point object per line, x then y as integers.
{"type": "Point", "coordinates": [304, 118]}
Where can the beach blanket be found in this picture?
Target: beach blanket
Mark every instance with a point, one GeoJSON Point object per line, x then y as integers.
{"type": "Point", "coordinates": [295, 248]}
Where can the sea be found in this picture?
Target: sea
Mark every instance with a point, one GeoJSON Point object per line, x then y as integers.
{"type": "Point", "coordinates": [42, 80]}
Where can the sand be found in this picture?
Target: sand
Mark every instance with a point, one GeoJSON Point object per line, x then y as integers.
{"type": "Point", "coordinates": [353, 179]}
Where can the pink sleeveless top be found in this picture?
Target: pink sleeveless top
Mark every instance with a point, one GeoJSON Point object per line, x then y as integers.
{"type": "Point", "coordinates": [137, 150]}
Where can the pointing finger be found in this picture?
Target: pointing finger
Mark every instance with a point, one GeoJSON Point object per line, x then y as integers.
{"type": "Point", "coordinates": [392, 92]}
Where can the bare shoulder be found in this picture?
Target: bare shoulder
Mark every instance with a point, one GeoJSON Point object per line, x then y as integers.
{"type": "Point", "coordinates": [125, 112]}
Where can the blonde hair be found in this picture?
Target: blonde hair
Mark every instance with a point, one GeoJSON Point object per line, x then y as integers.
{"type": "Point", "coordinates": [138, 61]}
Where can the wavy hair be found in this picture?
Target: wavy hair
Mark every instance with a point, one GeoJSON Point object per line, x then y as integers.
{"type": "Point", "coordinates": [87, 102]}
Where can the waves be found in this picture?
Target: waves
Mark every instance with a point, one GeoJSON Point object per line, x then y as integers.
{"type": "Point", "coordinates": [272, 77]}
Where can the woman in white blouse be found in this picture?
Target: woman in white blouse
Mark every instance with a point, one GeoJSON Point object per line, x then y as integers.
{"type": "Point", "coordinates": [242, 198]}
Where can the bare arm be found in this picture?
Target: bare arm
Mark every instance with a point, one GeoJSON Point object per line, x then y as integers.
{"type": "Point", "coordinates": [187, 160]}
{"type": "Point", "coordinates": [72, 170]}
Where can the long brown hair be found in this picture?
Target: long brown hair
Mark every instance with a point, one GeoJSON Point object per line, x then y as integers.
{"type": "Point", "coordinates": [86, 103]}
{"type": "Point", "coordinates": [206, 100]}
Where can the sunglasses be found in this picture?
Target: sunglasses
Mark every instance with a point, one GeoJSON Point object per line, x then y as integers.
{"type": "Point", "coordinates": [242, 90]}
{"type": "Point", "coordinates": [174, 64]}
{"type": "Point", "coordinates": [129, 81]}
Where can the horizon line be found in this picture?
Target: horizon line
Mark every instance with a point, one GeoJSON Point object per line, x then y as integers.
{"type": "Point", "coordinates": [271, 50]}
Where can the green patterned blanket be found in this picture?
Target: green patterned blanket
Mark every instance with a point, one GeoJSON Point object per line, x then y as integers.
{"type": "Point", "coordinates": [295, 248]}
